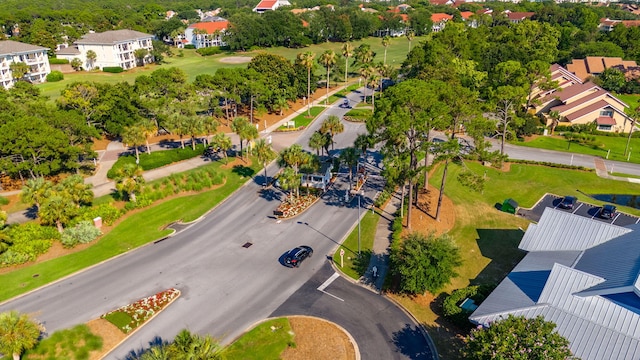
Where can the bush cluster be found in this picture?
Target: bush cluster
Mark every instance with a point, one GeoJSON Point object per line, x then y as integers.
{"type": "Point", "coordinates": [190, 46]}
{"type": "Point", "coordinates": [27, 242]}
{"type": "Point", "coordinates": [113, 69]}
{"type": "Point", "coordinates": [382, 198]}
{"type": "Point", "coordinates": [84, 232]}
{"type": "Point", "coordinates": [54, 76]}
{"type": "Point", "coordinates": [4, 200]}
{"type": "Point", "coordinates": [550, 164]}
{"type": "Point", "coordinates": [107, 212]}
{"type": "Point", "coordinates": [208, 51]}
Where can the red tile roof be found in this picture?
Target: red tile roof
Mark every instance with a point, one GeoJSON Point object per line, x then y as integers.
{"type": "Point", "coordinates": [439, 17]}
{"type": "Point", "coordinates": [466, 14]}
{"type": "Point", "coordinates": [211, 27]}
{"type": "Point", "coordinates": [519, 15]}
{"type": "Point", "coordinates": [605, 120]}
{"type": "Point", "coordinates": [266, 4]}
{"type": "Point", "coordinates": [438, 2]}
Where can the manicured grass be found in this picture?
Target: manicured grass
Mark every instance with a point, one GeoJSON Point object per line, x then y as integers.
{"type": "Point", "coordinates": [156, 159]}
{"type": "Point", "coordinates": [302, 119]}
{"type": "Point", "coordinates": [602, 145]}
{"type": "Point", "coordinates": [355, 266]}
{"type": "Point", "coordinates": [74, 343]}
{"type": "Point", "coordinates": [193, 64]}
{"type": "Point", "coordinates": [359, 113]}
{"type": "Point", "coordinates": [134, 231]}
{"type": "Point", "coordinates": [625, 175]}
{"type": "Point", "coordinates": [119, 319]}
{"type": "Point", "coordinates": [262, 342]}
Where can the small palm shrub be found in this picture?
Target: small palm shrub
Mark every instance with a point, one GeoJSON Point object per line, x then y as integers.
{"type": "Point", "coordinates": [84, 232]}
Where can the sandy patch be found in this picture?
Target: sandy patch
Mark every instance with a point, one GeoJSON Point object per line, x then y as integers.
{"type": "Point", "coordinates": [318, 339]}
{"type": "Point", "coordinates": [235, 59]}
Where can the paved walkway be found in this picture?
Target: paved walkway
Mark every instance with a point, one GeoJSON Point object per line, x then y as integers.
{"type": "Point", "coordinates": [601, 171]}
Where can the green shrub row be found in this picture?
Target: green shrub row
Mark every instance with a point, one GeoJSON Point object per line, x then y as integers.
{"type": "Point", "coordinates": [382, 198]}
{"type": "Point", "coordinates": [56, 61]}
{"type": "Point", "coordinates": [27, 241]}
{"type": "Point", "coordinates": [550, 164]}
{"type": "Point", "coordinates": [113, 69]}
{"type": "Point", "coordinates": [4, 200]}
{"type": "Point", "coordinates": [208, 51]}
{"type": "Point", "coordinates": [190, 46]}
{"type": "Point", "coordinates": [107, 212]}
{"type": "Point", "coordinates": [54, 76]}
{"type": "Point", "coordinates": [156, 159]}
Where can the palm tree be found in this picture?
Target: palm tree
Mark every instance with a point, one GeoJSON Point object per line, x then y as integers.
{"type": "Point", "coordinates": [244, 129]}
{"type": "Point", "coordinates": [188, 346]}
{"type": "Point", "coordinates": [317, 141]}
{"type": "Point", "coordinates": [281, 104]}
{"type": "Point", "coordinates": [366, 72]}
{"type": "Point", "coordinates": [290, 179]}
{"type": "Point", "coordinates": [293, 156]}
{"type": "Point", "coordinates": [328, 59]}
{"type": "Point", "coordinates": [79, 192]}
{"type": "Point", "coordinates": [349, 156]}
{"type": "Point", "coordinates": [222, 142]}
{"type": "Point", "coordinates": [364, 55]}
{"type": "Point", "coordinates": [35, 191]}
{"type": "Point", "coordinates": [555, 118]}
{"type": "Point", "coordinates": [56, 210]}
{"type": "Point", "coordinates": [19, 70]}
{"type": "Point", "coordinates": [129, 180]}
{"type": "Point", "coordinates": [410, 35]}
{"type": "Point", "coordinates": [347, 52]}
{"type": "Point", "coordinates": [363, 142]}
{"type": "Point", "coordinates": [209, 126]}
{"type": "Point", "coordinates": [374, 79]}
{"type": "Point", "coordinates": [18, 333]}
{"type": "Point", "coordinates": [134, 136]}
{"type": "Point", "coordinates": [332, 125]}
{"type": "Point", "coordinates": [386, 41]}
{"type": "Point", "coordinates": [91, 58]}
{"type": "Point", "coordinates": [149, 129]}
{"type": "Point", "coordinates": [306, 60]}
{"type": "Point", "coordinates": [264, 153]}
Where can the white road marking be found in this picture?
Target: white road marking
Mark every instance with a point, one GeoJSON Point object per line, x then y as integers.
{"type": "Point", "coordinates": [327, 283]}
{"type": "Point", "coordinates": [576, 209]}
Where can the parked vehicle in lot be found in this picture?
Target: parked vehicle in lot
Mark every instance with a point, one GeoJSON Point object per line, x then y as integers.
{"type": "Point", "coordinates": [568, 202]}
{"type": "Point", "coordinates": [297, 255]}
{"type": "Point", "coordinates": [608, 211]}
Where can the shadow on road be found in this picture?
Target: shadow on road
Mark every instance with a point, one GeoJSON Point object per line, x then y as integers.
{"type": "Point", "coordinates": [410, 342]}
{"type": "Point", "coordinates": [154, 346]}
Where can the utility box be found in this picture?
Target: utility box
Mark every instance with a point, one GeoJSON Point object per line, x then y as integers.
{"type": "Point", "coordinates": [510, 206]}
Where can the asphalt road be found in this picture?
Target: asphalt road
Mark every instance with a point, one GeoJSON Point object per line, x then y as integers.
{"type": "Point", "coordinates": [225, 287]}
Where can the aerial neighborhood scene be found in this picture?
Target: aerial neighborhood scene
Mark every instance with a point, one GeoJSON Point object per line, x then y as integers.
{"type": "Point", "coordinates": [319, 179]}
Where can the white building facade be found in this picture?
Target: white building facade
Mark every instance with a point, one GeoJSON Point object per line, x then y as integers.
{"type": "Point", "coordinates": [15, 52]}
{"type": "Point", "coordinates": [115, 48]}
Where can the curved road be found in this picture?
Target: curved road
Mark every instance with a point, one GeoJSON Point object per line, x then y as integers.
{"type": "Point", "coordinates": [225, 287]}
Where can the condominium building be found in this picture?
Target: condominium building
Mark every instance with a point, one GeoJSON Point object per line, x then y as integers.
{"type": "Point", "coordinates": [115, 48]}
{"type": "Point", "coordinates": [16, 52]}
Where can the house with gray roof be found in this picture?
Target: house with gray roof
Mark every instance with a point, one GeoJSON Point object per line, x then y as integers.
{"type": "Point", "coordinates": [582, 274]}
{"type": "Point", "coordinates": [116, 48]}
{"type": "Point", "coordinates": [16, 52]}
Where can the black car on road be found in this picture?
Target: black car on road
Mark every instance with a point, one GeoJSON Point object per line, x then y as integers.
{"type": "Point", "coordinates": [608, 211]}
{"type": "Point", "coordinates": [568, 202]}
{"type": "Point", "coordinates": [296, 255]}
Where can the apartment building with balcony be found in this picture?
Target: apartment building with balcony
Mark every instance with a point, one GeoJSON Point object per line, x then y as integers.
{"type": "Point", "coordinates": [15, 52]}
{"type": "Point", "coordinates": [112, 48]}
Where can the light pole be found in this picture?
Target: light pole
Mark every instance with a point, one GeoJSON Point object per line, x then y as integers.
{"type": "Point", "coordinates": [359, 194]}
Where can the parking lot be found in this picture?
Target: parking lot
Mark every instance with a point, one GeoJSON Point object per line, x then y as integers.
{"type": "Point", "coordinates": [580, 208]}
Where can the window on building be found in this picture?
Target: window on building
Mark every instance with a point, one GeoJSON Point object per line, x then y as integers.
{"type": "Point", "coordinates": [604, 127]}
{"type": "Point", "coordinates": [608, 113]}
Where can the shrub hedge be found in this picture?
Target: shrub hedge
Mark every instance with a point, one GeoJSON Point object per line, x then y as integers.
{"type": "Point", "coordinates": [208, 51]}
{"type": "Point", "coordinates": [27, 242]}
{"type": "Point", "coordinates": [189, 46]}
{"type": "Point", "coordinates": [113, 69]}
{"type": "Point", "coordinates": [56, 61]}
{"type": "Point", "coordinates": [54, 76]}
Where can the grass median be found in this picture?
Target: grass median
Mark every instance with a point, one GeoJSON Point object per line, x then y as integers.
{"type": "Point", "coordinates": [355, 266]}
{"type": "Point", "coordinates": [606, 147]}
{"type": "Point", "coordinates": [133, 231]}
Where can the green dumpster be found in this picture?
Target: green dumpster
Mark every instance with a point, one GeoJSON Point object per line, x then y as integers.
{"type": "Point", "coordinates": [510, 206]}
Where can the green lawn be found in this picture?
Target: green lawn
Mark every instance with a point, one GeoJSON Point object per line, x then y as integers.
{"type": "Point", "coordinates": [302, 119]}
{"type": "Point", "coordinates": [262, 342]}
{"type": "Point", "coordinates": [194, 64]}
{"type": "Point", "coordinates": [633, 100]}
{"type": "Point", "coordinates": [134, 231]}
{"type": "Point", "coordinates": [613, 145]}
{"type": "Point", "coordinates": [355, 266]}
{"type": "Point", "coordinates": [156, 159]}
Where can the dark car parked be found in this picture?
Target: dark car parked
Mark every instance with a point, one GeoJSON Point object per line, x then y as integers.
{"type": "Point", "coordinates": [608, 211]}
{"type": "Point", "coordinates": [297, 255]}
{"type": "Point", "coordinates": [568, 202]}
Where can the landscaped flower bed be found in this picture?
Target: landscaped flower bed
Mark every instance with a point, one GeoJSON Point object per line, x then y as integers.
{"type": "Point", "coordinates": [294, 206]}
{"type": "Point", "coordinates": [129, 317]}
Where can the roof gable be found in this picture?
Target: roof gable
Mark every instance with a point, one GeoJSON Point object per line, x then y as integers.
{"type": "Point", "coordinates": [211, 27]}
{"type": "Point", "coordinates": [12, 47]}
{"type": "Point", "coordinates": [112, 37]}
{"type": "Point", "coordinates": [439, 17]}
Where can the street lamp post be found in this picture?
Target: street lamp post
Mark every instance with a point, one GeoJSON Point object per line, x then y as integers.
{"type": "Point", "coordinates": [358, 224]}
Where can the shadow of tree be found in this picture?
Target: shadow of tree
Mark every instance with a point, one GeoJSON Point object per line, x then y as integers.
{"type": "Point", "coordinates": [243, 170]}
{"type": "Point", "coordinates": [157, 342]}
{"type": "Point", "coordinates": [410, 342]}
